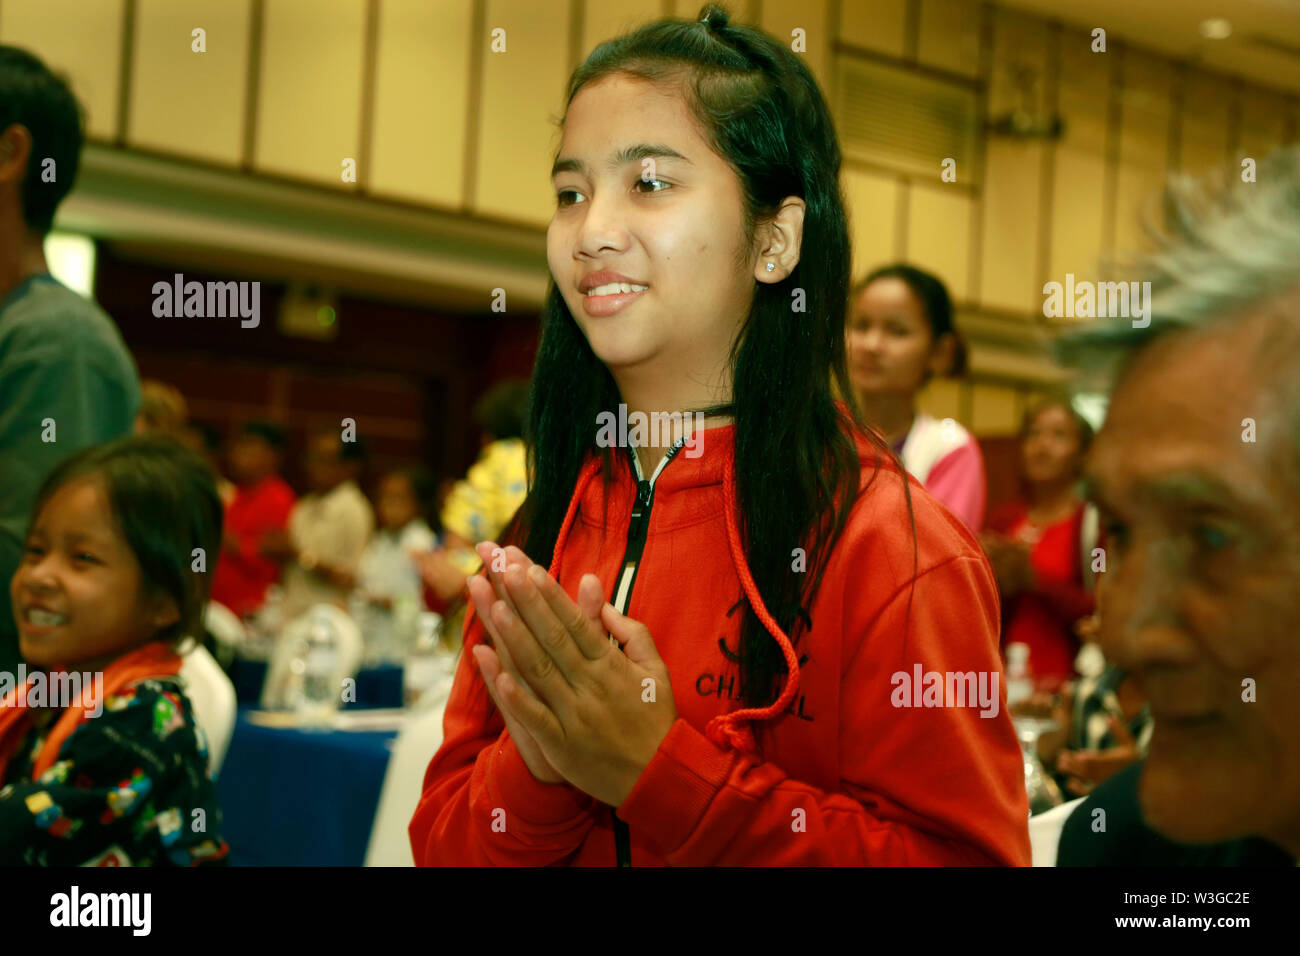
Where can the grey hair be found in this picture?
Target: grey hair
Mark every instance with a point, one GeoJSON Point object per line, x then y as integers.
{"type": "Point", "coordinates": [1228, 251]}
{"type": "Point", "coordinates": [1231, 254]}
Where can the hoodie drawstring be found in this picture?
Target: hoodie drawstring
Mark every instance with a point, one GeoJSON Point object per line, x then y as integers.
{"type": "Point", "coordinates": [726, 729]}
{"type": "Point", "coordinates": [733, 728]}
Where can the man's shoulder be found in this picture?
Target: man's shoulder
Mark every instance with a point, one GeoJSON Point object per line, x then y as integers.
{"type": "Point", "coordinates": [1107, 829]}
{"type": "Point", "coordinates": [50, 319]}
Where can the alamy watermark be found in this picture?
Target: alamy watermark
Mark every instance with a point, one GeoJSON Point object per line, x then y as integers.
{"type": "Point", "coordinates": [656, 430]}
{"type": "Point", "coordinates": [946, 689]}
{"type": "Point", "coordinates": [61, 690]}
{"type": "Point", "coordinates": [208, 300]}
{"type": "Point", "coordinates": [129, 910]}
{"type": "Point", "coordinates": [1098, 300]}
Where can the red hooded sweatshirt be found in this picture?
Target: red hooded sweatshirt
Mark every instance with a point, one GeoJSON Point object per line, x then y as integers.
{"type": "Point", "coordinates": [858, 761]}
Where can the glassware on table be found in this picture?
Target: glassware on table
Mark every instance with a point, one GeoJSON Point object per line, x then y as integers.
{"type": "Point", "coordinates": [407, 608]}
{"type": "Point", "coordinates": [263, 626]}
{"type": "Point", "coordinates": [314, 693]}
{"type": "Point", "coordinates": [1020, 679]}
{"type": "Point", "coordinates": [388, 629]}
{"type": "Point", "coordinates": [1041, 789]}
{"type": "Point", "coordinates": [430, 668]}
{"type": "Point", "coordinates": [372, 621]}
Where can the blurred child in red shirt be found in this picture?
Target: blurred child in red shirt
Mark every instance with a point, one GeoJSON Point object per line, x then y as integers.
{"type": "Point", "coordinates": [261, 506]}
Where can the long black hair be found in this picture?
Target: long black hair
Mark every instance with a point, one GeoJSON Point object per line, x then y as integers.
{"type": "Point", "coordinates": [797, 466]}
{"type": "Point", "coordinates": [166, 504]}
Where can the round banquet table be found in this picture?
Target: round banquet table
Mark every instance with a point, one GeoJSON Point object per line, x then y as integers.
{"type": "Point", "coordinates": [376, 686]}
{"type": "Point", "coordinates": [299, 797]}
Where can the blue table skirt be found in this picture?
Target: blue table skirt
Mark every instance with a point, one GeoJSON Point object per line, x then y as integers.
{"type": "Point", "coordinates": [298, 797]}
{"type": "Point", "coordinates": [376, 686]}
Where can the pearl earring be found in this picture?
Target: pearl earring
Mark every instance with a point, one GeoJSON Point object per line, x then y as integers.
{"type": "Point", "coordinates": [770, 267]}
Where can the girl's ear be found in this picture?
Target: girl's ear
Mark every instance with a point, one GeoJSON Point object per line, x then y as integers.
{"type": "Point", "coordinates": [780, 240]}
{"type": "Point", "coordinates": [163, 612]}
{"type": "Point", "coordinates": [942, 355]}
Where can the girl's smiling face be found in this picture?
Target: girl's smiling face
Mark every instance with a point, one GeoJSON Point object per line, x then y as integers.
{"type": "Point", "coordinates": [678, 229]}
{"type": "Point", "coordinates": [77, 593]}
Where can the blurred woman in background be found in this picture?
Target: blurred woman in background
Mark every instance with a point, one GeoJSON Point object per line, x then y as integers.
{"type": "Point", "coordinates": [389, 566]}
{"type": "Point", "coordinates": [900, 334]}
{"type": "Point", "coordinates": [1036, 545]}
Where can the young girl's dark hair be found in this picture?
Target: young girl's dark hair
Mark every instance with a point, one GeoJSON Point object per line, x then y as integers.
{"type": "Point", "coordinates": [166, 505]}
{"type": "Point", "coordinates": [935, 303]}
{"type": "Point", "coordinates": [796, 465]}
{"type": "Point", "coordinates": [502, 412]}
{"type": "Point", "coordinates": [424, 488]}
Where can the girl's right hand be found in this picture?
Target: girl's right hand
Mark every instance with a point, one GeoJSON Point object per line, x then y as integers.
{"type": "Point", "coordinates": [493, 660]}
{"type": "Point", "coordinates": [490, 667]}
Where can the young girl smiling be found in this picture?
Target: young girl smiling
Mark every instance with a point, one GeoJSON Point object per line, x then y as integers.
{"type": "Point", "coordinates": [900, 335]}
{"type": "Point", "coordinates": [107, 584]}
{"type": "Point", "coordinates": [762, 593]}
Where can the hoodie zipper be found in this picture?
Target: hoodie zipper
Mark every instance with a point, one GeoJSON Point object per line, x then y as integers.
{"type": "Point", "coordinates": [637, 530]}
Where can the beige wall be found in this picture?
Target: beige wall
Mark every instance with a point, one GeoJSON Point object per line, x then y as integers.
{"type": "Point", "coordinates": [413, 91]}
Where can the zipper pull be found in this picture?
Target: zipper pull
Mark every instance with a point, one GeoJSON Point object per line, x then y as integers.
{"type": "Point", "coordinates": [643, 492]}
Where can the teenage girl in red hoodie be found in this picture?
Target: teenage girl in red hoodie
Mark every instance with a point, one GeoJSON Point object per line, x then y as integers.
{"type": "Point", "coordinates": [780, 592]}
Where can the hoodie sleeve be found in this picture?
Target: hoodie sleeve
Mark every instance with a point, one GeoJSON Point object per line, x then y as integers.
{"type": "Point", "coordinates": [919, 786]}
{"type": "Point", "coordinates": [481, 804]}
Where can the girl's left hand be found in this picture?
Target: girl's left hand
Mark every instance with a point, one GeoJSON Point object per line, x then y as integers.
{"type": "Point", "coordinates": [598, 715]}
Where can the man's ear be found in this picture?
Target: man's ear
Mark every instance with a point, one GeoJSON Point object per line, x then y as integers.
{"type": "Point", "coordinates": [780, 241]}
{"type": "Point", "coordinates": [15, 147]}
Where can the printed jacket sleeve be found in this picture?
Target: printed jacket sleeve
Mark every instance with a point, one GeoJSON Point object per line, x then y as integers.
{"type": "Point", "coordinates": [481, 804]}
{"type": "Point", "coordinates": [129, 789]}
{"type": "Point", "coordinates": [919, 785]}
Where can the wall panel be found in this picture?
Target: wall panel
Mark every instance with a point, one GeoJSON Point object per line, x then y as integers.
{"type": "Point", "coordinates": [186, 102]}
{"type": "Point", "coordinates": [878, 25]}
{"type": "Point", "coordinates": [873, 207]}
{"type": "Point", "coordinates": [1079, 193]}
{"type": "Point", "coordinates": [523, 91]}
{"type": "Point", "coordinates": [309, 102]}
{"type": "Point", "coordinates": [938, 235]}
{"type": "Point", "coordinates": [90, 55]}
{"type": "Point", "coordinates": [950, 35]}
{"type": "Point", "coordinates": [422, 100]}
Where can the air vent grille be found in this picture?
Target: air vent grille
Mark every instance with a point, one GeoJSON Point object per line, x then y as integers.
{"type": "Point", "coordinates": [898, 118]}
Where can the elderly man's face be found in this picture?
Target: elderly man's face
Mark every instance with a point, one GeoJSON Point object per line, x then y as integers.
{"type": "Point", "coordinates": [1202, 586]}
